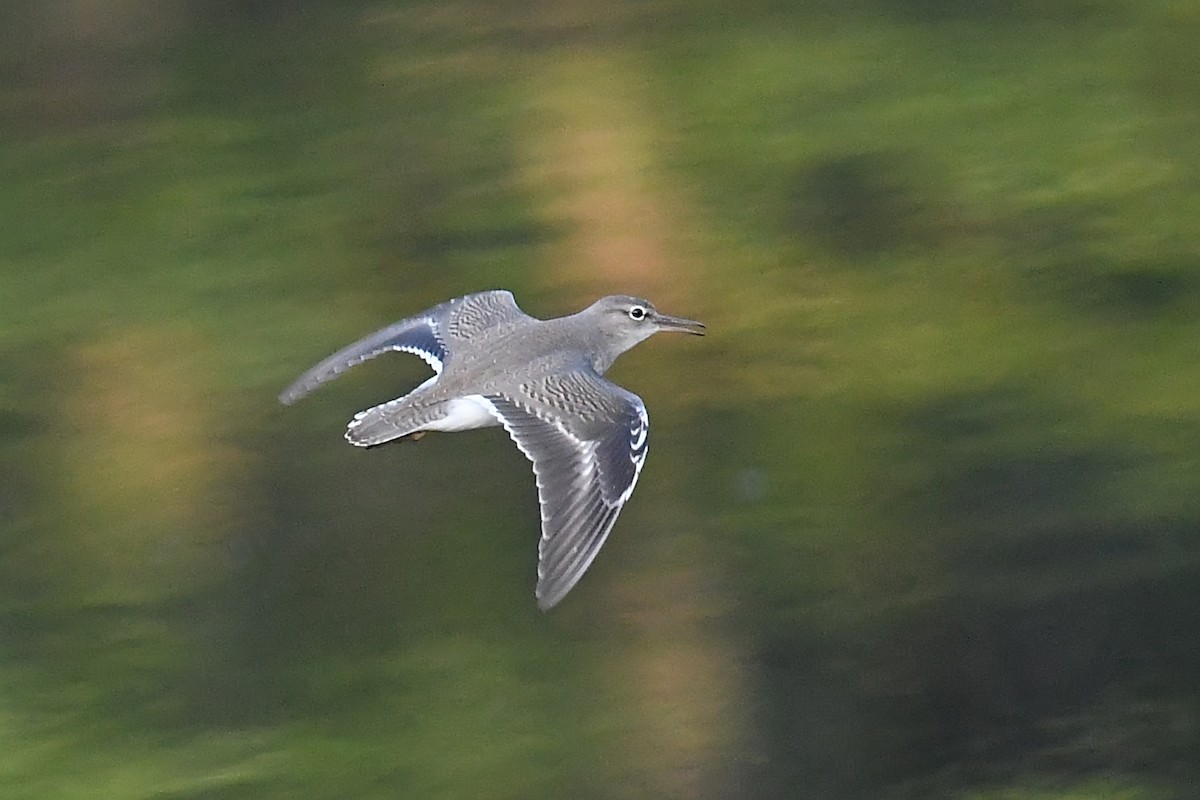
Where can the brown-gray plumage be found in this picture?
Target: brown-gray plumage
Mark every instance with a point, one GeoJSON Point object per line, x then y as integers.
{"type": "Point", "coordinates": [542, 381]}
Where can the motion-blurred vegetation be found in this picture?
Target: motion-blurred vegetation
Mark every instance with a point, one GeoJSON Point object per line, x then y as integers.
{"type": "Point", "coordinates": [923, 517]}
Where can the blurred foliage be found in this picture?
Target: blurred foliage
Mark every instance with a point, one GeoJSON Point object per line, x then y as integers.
{"type": "Point", "coordinates": [922, 516]}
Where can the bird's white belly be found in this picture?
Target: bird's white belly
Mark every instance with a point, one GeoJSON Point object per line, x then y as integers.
{"type": "Point", "coordinates": [464, 414]}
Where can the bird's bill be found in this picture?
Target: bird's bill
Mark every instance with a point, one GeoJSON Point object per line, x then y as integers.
{"type": "Point", "coordinates": [666, 322]}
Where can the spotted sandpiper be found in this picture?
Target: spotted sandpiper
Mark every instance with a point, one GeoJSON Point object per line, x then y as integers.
{"type": "Point", "coordinates": [541, 380]}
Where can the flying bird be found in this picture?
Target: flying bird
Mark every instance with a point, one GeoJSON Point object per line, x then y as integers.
{"type": "Point", "coordinates": [543, 381]}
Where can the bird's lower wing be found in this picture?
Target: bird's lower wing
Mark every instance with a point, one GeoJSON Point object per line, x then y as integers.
{"type": "Point", "coordinates": [583, 480]}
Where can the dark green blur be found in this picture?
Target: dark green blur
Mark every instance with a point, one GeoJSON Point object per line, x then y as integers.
{"type": "Point", "coordinates": [922, 518]}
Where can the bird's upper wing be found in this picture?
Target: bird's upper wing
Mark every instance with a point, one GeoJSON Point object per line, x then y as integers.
{"type": "Point", "coordinates": [427, 335]}
{"type": "Point", "coordinates": [586, 466]}
{"type": "Point", "coordinates": [468, 316]}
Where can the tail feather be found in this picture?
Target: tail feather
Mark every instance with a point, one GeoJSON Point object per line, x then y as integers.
{"type": "Point", "coordinates": [388, 422]}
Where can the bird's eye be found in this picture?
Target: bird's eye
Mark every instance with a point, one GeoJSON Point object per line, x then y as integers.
{"type": "Point", "coordinates": [637, 313]}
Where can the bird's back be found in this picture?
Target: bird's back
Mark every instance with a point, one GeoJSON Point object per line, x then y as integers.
{"type": "Point", "coordinates": [509, 354]}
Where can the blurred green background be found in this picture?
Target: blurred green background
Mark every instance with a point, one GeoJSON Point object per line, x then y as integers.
{"type": "Point", "coordinates": [922, 518]}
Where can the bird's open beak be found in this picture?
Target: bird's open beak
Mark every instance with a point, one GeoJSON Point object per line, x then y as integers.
{"type": "Point", "coordinates": [669, 323]}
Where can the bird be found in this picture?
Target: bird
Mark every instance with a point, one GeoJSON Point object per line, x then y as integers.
{"type": "Point", "coordinates": [543, 382]}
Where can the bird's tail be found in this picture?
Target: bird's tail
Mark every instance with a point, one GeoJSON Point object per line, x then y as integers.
{"type": "Point", "coordinates": [390, 421]}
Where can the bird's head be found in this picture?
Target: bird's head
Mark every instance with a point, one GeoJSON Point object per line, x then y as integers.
{"type": "Point", "coordinates": [625, 321]}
